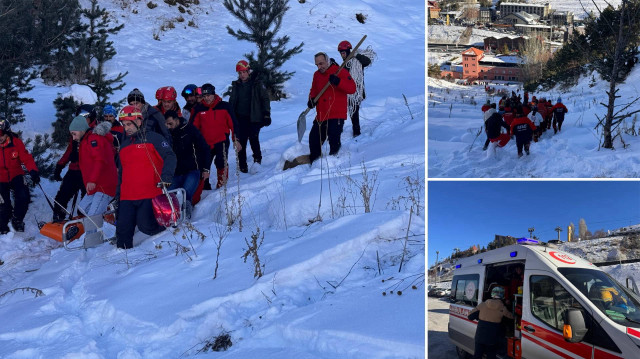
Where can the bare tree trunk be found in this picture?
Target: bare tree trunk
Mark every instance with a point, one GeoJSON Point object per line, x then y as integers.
{"type": "Point", "coordinates": [608, 123]}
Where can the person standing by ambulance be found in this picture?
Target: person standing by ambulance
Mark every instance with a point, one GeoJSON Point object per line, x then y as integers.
{"type": "Point", "coordinates": [489, 332]}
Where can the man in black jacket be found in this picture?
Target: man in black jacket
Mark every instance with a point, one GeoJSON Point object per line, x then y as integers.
{"type": "Point", "coordinates": [192, 152]}
{"type": "Point", "coordinates": [251, 106]}
{"type": "Point", "coordinates": [492, 127]}
{"type": "Point", "coordinates": [355, 66]}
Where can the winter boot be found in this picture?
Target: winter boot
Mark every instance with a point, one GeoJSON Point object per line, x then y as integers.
{"type": "Point", "coordinates": [4, 229]}
{"type": "Point", "coordinates": [243, 167]}
{"type": "Point", "coordinates": [18, 225]}
{"type": "Point", "coordinates": [223, 174]}
{"type": "Point", "coordinates": [526, 149]}
{"type": "Point", "coordinates": [257, 160]}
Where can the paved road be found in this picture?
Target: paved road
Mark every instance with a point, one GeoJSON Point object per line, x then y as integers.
{"type": "Point", "coordinates": [439, 345]}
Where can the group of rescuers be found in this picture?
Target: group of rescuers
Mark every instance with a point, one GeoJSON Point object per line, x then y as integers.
{"type": "Point", "coordinates": [126, 158]}
{"type": "Point", "coordinates": [526, 120]}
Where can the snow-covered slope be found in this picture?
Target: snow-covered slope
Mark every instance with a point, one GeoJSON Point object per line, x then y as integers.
{"type": "Point", "coordinates": [321, 295]}
{"type": "Point", "coordinates": [455, 118]}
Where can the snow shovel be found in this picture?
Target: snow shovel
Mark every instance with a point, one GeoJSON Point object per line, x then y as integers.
{"type": "Point", "coordinates": [302, 119]}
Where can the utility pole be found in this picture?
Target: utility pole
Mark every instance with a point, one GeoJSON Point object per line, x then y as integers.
{"type": "Point", "coordinates": [437, 253]}
{"type": "Point", "coordinates": [531, 230]}
{"type": "Point", "coordinates": [558, 229]}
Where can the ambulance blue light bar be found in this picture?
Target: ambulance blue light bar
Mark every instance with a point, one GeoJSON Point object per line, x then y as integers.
{"type": "Point", "coordinates": [513, 254]}
{"type": "Point", "coordinates": [458, 266]}
{"type": "Point", "coordinates": [525, 240]}
{"type": "Point", "coordinates": [480, 261]}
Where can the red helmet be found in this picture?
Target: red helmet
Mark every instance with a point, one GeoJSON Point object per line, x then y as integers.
{"type": "Point", "coordinates": [169, 94]}
{"type": "Point", "coordinates": [344, 46]}
{"type": "Point", "coordinates": [242, 65]}
{"type": "Point", "coordinates": [129, 113]}
{"type": "Point", "coordinates": [159, 93]}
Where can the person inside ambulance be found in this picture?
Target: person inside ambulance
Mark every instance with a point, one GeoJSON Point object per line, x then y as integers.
{"type": "Point", "coordinates": [490, 332]}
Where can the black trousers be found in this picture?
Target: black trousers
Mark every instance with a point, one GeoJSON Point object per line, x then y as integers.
{"type": "Point", "coordinates": [249, 132]}
{"type": "Point", "coordinates": [331, 129]}
{"type": "Point", "coordinates": [71, 184]}
{"type": "Point", "coordinates": [132, 213]}
{"type": "Point", "coordinates": [355, 121]}
{"type": "Point", "coordinates": [21, 199]}
{"type": "Point", "coordinates": [522, 144]}
{"type": "Point", "coordinates": [220, 153]}
{"type": "Point", "coordinates": [489, 350]}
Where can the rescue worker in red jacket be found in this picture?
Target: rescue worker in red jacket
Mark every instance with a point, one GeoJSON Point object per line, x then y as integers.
{"type": "Point", "coordinates": [13, 155]}
{"type": "Point", "coordinates": [558, 110]}
{"type": "Point", "coordinates": [215, 120]}
{"type": "Point", "coordinates": [97, 164]}
{"type": "Point", "coordinates": [146, 164]}
{"type": "Point", "coordinates": [167, 100]}
{"type": "Point", "coordinates": [522, 128]}
{"type": "Point", "coordinates": [72, 180]}
{"type": "Point", "coordinates": [189, 95]}
{"type": "Point", "coordinates": [109, 114]}
{"type": "Point", "coordinates": [331, 108]}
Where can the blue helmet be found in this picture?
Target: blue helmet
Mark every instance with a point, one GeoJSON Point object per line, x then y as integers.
{"type": "Point", "coordinates": [559, 99]}
{"type": "Point", "coordinates": [109, 110]}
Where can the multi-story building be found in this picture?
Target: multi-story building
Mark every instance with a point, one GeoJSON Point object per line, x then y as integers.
{"type": "Point", "coordinates": [561, 18]}
{"type": "Point", "coordinates": [476, 66]}
{"type": "Point", "coordinates": [507, 8]}
{"type": "Point", "coordinates": [521, 18]}
{"type": "Point", "coordinates": [434, 9]}
{"type": "Point", "coordinates": [512, 43]}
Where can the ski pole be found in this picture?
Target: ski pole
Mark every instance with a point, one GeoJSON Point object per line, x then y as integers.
{"type": "Point", "coordinates": [46, 197]}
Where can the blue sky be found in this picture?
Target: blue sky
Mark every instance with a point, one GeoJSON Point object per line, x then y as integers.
{"type": "Point", "coordinates": [463, 213]}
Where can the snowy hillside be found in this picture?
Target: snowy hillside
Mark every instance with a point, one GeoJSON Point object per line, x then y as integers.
{"type": "Point", "coordinates": [455, 118]}
{"type": "Point", "coordinates": [331, 288]}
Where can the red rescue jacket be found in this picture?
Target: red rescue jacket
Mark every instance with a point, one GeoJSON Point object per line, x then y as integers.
{"type": "Point", "coordinates": [145, 160]}
{"type": "Point", "coordinates": [333, 102]}
{"type": "Point", "coordinates": [97, 162]}
{"type": "Point", "coordinates": [215, 120]}
{"type": "Point", "coordinates": [12, 155]}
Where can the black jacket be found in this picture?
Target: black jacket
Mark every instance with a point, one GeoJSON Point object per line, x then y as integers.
{"type": "Point", "coordinates": [154, 121]}
{"type": "Point", "coordinates": [260, 104]}
{"type": "Point", "coordinates": [191, 149]}
{"type": "Point", "coordinates": [493, 124]}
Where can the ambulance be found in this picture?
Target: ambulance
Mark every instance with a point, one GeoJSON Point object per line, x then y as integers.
{"type": "Point", "coordinates": [563, 306]}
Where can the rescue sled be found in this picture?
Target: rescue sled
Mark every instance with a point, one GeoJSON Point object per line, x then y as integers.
{"type": "Point", "coordinates": [70, 230]}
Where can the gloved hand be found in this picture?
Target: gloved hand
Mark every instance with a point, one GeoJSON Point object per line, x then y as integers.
{"type": "Point", "coordinates": [57, 172]}
{"type": "Point", "coordinates": [310, 103]}
{"type": "Point", "coordinates": [334, 79]}
{"type": "Point", "coordinates": [267, 120]}
{"type": "Point", "coordinates": [164, 184]}
{"type": "Point", "coordinates": [35, 177]}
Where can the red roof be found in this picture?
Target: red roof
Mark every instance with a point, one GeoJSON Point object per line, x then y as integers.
{"type": "Point", "coordinates": [473, 52]}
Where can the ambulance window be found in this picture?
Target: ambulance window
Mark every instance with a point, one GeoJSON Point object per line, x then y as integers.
{"type": "Point", "coordinates": [549, 301]}
{"type": "Point", "coordinates": [464, 289]}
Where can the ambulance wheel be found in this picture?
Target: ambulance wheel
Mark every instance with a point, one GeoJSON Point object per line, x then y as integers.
{"type": "Point", "coordinates": [462, 354]}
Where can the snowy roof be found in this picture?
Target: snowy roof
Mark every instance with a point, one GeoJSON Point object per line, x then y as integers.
{"type": "Point", "coordinates": [524, 16]}
{"type": "Point", "coordinates": [507, 59]}
{"type": "Point", "coordinates": [521, 4]}
{"type": "Point", "coordinates": [533, 25]}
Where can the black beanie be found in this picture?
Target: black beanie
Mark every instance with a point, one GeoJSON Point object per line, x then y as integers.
{"type": "Point", "coordinates": [208, 89]}
{"type": "Point", "coordinates": [135, 95]}
{"type": "Point", "coordinates": [172, 114]}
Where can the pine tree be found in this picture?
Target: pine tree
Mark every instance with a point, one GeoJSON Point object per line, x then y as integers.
{"type": "Point", "coordinates": [99, 50]}
{"type": "Point", "coordinates": [65, 110]}
{"type": "Point", "coordinates": [44, 158]}
{"type": "Point", "coordinates": [263, 18]}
